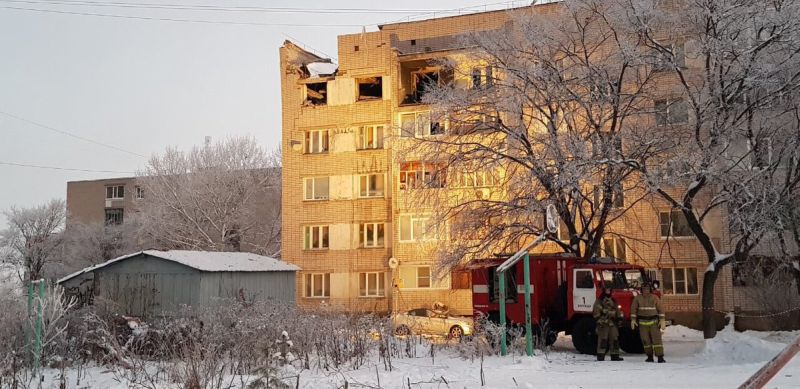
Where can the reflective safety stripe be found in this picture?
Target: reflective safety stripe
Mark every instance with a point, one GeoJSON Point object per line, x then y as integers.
{"type": "Point", "coordinates": [648, 322]}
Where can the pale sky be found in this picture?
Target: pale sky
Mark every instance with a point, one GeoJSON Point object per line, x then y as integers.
{"type": "Point", "coordinates": [142, 85]}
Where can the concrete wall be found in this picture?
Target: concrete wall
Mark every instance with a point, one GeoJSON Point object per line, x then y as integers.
{"type": "Point", "coordinates": [86, 200]}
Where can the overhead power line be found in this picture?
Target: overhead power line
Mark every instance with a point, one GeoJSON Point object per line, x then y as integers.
{"type": "Point", "coordinates": [67, 133]}
{"type": "Point", "coordinates": [221, 8]}
{"type": "Point", "coordinates": [63, 168]}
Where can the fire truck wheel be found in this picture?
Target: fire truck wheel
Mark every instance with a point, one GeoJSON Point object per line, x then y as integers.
{"type": "Point", "coordinates": [402, 330]}
{"type": "Point", "coordinates": [630, 342]}
{"type": "Point", "coordinates": [584, 337]}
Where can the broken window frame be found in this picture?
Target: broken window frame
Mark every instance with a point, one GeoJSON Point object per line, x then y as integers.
{"type": "Point", "coordinates": [423, 125]}
{"type": "Point", "coordinates": [360, 82]}
{"type": "Point", "coordinates": [317, 141]}
{"type": "Point", "coordinates": [309, 92]}
{"type": "Point", "coordinates": [370, 137]}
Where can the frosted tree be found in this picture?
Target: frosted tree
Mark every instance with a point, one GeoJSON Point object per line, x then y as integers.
{"type": "Point", "coordinates": [219, 197]}
{"type": "Point", "coordinates": [733, 67]}
{"type": "Point", "coordinates": [87, 244]}
{"type": "Point", "coordinates": [546, 110]}
{"type": "Point", "coordinates": [32, 241]}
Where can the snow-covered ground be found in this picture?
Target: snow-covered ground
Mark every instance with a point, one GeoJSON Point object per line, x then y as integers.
{"type": "Point", "coordinates": [723, 362]}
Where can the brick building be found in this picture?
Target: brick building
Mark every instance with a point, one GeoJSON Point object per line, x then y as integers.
{"type": "Point", "coordinates": [102, 201]}
{"type": "Point", "coordinates": [345, 208]}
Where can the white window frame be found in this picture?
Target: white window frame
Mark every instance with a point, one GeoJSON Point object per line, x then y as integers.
{"type": "Point", "coordinates": [309, 280]}
{"type": "Point", "coordinates": [139, 193]}
{"type": "Point", "coordinates": [364, 179]}
{"type": "Point", "coordinates": [422, 128]}
{"type": "Point", "coordinates": [313, 195]}
{"type": "Point", "coordinates": [429, 277]}
{"type": "Point", "coordinates": [377, 131]}
{"type": "Point", "coordinates": [413, 219]}
{"type": "Point", "coordinates": [115, 192]}
{"type": "Point", "coordinates": [317, 141]}
{"type": "Point", "coordinates": [378, 282]}
{"type": "Point", "coordinates": [685, 271]}
{"type": "Point", "coordinates": [309, 241]}
{"type": "Point", "coordinates": [423, 177]}
{"type": "Point", "coordinates": [364, 238]}
{"type": "Point", "coordinates": [471, 179]}
{"type": "Point", "coordinates": [618, 246]}
{"type": "Point", "coordinates": [671, 226]}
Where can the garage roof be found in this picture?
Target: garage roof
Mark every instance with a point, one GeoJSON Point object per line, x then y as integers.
{"type": "Point", "coordinates": [209, 261]}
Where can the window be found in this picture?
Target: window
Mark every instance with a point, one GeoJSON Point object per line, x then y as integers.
{"type": "Point", "coordinates": [139, 193]}
{"type": "Point", "coordinates": [317, 93]}
{"type": "Point", "coordinates": [316, 188]}
{"type": "Point", "coordinates": [415, 124]}
{"type": "Point", "coordinates": [424, 277]}
{"type": "Point", "coordinates": [423, 81]}
{"type": "Point", "coordinates": [670, 112]}
{"type": "Point", "coordinates": [317, 285]}
{"type": "Point", "coordinates": [679, 280]}
{"type": "Point", "coordinates": [115, 192]}
{"type": "Point", "coordinates": [477, 179]}
{"type": "Point", "coordinates": [370, 137]}
{"type": "Point", "coordinates": [482, 77]}
{"type": "Point", "coordinates": [461, 279]}
{"type": "Point", "coordinates": [316, 141]}
{"type": "Point", "coordinates": [315, 237]}
{"type": "Point", "coordinates": [371, 284]}
{"type": "Point", "coordinates": [370, 185]}
{"type": "Point", "coordinates": [584, 279]}
{"type": "Point", "coordinates": [674, 224]}
{"type": "Point", "coordinates": [494, 286]}
{"type": "Point", "coordinates": [114, 216]}
{"type": "Point", "coordinates": [416, 228]}
{"type": "Point", "coordinates": [614, 248]}
{"type": "Point", "coordinates": [371, 234]}
{"type": "Point", "coordinates": [370, 88]}
{"type": "Point", "coordinates": [476, 78]}
{"type": "Point", "coordinates": [617, 196]}
{"type": "Point", "coordinates": [415, 175]}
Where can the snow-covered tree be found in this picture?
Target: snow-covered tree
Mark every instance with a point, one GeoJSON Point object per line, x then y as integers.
{"type": "Point", "coordinates": [219, 197]}
{"type": "Point", "coordinates": [734, 67]}
{"type": "Point", "coordinates": [87, 244]}
{"type": "Point", "coordinates": [546, 110]}
{"type": "Point", "coordinates": [32, 241]}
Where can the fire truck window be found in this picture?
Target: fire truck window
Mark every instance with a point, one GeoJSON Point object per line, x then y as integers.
{"type": "Point", "coordinates": [584, 279]}
{"type": "Point", "coordinates": [634, 278]}
{"type": "Point", "coordinates": [494, 287]}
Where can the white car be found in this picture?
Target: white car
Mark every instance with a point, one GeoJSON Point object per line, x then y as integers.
{"type": "Point", "coordinates": [427, 322]}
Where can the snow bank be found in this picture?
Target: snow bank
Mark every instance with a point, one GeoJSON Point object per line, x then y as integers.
{"type": "Point", "coordinates": [730, 346]}
{"type": "Point", "coordinates": [682, 333]}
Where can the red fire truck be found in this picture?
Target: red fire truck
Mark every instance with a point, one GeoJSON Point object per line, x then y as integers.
{"type": "Point", "coordinates": [564, 290]}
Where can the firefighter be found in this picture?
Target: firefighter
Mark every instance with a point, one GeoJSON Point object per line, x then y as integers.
{"type": "Point", "coordinates": [648, 315]}
{"type": "Point", "coordinates": [607, 315]}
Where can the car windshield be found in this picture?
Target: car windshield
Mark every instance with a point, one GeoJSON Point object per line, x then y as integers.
{"type": "Point", "coordinates": [622, 278]}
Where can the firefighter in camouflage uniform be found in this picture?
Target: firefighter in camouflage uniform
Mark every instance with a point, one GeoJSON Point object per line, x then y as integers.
{"type": "Point", "coordinates": [648, 315]}
{"type": "Point", "coordinates": [607, 315]}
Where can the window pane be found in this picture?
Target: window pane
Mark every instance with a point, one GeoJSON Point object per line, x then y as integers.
{"type": "Point", "coordinates": [120, 192]}
{"type": "Point", "coordinates": [324, 237]}
{"type": "Point", "coordinates": [379, 137]}
{"type": "Point", "coordinates": [306, 238]}
{"type": "Point", "coordinates": [327, 289]}
{"type": "Point", "coordinates": [405, 227]}
{"type": "Point", "coordinates": [584, 279]}
{"type": "Point", "coordinates": [308, 285]}
{"type": "Point", "coordinates": [622, 251]}
{"type": "Point", "coordinates": [317, 285]}
{"type": "Point", "coordinates": [309, 189]}
{"type": "Point", "coordinates": [380, 242]}
{"type": "Point", "coordinates": [666, 278]}
{"type": "Point", "coordinates": [372, 283]}
{"type": "Point", "coordinates": [378, 191]}
{"type": "Point", "coordinates": [315, 237]}
{"type": "Point", "coordinates": [362, 186]}
{"type": "Point", "coordinates": [361, 237]}
{"type": "Point", "coordinates": [664, 220]}
{"type": "Point", "coordinates": [423, 123]}
{"type": "Point", "coordinates": [381, 284]}
{"type": "Point", "coordinates": [407, 124]}
{"type": "Point", "coordinates": [362, 284]}
{"type": "Point", "coordinates": [608, 247]}
{"type": "Point", "coordinates": [418, 228]}
{"type": "Point", "coordinates": [423, 277]}
{"type": "Point", "coordinates": [691, 280]}
{"type": "Point", "coordinates": [324, 146]}
{"type": "Point", "coordinates": [680, 226]}
{"type": "Point", "coordinates": [370, 235]}
{"type": "Point", "coordinates": [321, 188]}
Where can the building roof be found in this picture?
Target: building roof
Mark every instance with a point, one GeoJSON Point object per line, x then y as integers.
{"type": "Point", "coordinates": [208, 261]}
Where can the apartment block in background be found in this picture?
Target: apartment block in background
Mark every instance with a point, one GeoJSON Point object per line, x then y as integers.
{"type": "Point", "coordinates": [105, 201]}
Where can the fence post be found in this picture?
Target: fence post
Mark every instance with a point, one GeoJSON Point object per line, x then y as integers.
{"type": "Point", "coordinates": [501, 283]}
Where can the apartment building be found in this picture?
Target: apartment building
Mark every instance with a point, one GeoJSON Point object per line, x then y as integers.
{"type": "Point", "coordinates": [348, 220]}
{"type": "Point", "coordinates": [105, 201]}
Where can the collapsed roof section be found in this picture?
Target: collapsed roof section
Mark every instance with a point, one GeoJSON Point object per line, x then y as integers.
{"type": "Point", "coordinates": [307, 64]}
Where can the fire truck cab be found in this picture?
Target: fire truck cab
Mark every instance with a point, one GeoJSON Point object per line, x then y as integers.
{"type": "Point", "coordinates": [563, 292]}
